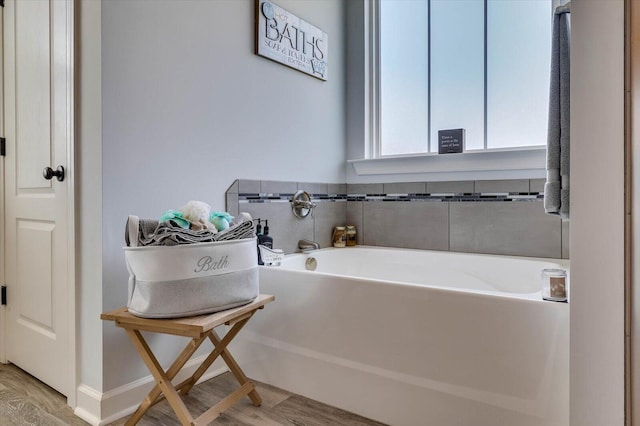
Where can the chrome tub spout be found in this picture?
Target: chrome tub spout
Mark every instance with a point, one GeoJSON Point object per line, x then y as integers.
{"type": "Point", "coordinates": [308, 245]}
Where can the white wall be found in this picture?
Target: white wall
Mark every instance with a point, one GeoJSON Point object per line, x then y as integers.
{"type": "Point", "coordinates": [597, 222]}
{"type": "Point", "coordinates": [89, 193]}
{"type": "Point", "coordinates": [188, 107]}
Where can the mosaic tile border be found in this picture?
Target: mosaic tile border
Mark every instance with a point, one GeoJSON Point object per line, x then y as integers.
{"type": "Point", "coordinates": [442, 197]}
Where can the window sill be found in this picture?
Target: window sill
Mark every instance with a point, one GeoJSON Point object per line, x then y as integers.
{"type": "Point", "coordinates": [513, 162]}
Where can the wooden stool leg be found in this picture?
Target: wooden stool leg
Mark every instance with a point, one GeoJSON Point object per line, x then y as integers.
{"type": "Point", "coordinates": [155, 395]}
{"type": "Point", "coordinates": [161, 377]}
{"type": "Point", "coordinates": [219, 347]}
{"type": "Point", "coordinates": [235, 368]}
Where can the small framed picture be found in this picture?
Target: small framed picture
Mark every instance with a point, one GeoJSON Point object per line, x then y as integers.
{"type": "Point", "coordinates": [451, 141]}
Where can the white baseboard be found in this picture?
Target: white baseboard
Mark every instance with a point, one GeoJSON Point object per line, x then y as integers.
{"type": "Point", "coordinates": [99, 409]}
{"type": "Point", "coordinates": [88, 405]}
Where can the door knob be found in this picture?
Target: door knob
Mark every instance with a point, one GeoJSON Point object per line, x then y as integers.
{"type": "Point", "coordinates": [49, 173]}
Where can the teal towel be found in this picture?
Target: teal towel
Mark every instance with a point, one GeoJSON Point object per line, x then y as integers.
{"type": "Point", "coordinates": [177, 217]}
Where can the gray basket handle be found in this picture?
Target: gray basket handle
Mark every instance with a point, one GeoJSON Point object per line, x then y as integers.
{"type": "Point", "coordinates": [133, 224]}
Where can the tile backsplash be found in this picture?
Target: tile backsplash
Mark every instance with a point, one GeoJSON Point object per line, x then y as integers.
{"type": "Point", "coordinates": [495, 217]}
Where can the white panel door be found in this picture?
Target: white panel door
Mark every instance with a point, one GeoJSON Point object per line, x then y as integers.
{"type": "Point", "coordinates": [38, 124]}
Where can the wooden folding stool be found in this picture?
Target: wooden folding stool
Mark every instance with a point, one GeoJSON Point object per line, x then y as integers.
{"type": "Point", "coordinates": [199, 329]}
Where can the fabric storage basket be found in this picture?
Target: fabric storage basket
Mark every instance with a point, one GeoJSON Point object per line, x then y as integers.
{"type": "Point", "coordinates": [191, 279]}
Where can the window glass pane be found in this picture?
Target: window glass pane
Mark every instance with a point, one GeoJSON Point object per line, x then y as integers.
{"type": "Point", "coordinates": [518, 63]}
{"type": "Point", "coordinates": [403, 76]}
{"type": "Point", "coordinates": [457, 70]}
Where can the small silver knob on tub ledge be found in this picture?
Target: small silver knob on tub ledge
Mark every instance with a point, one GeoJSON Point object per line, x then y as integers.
{"type": "Point", "coordinates": [311, 264]}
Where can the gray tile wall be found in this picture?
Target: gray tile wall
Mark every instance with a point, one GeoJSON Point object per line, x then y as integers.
{"type": "Point", "coordinates": [314, 188]}
{"type": "Point", "coordinates": [326, 216]}
{"type": "Point", "coordinates": [419, 225]}
{"type": "Point", "coordinates": [354, 217]}
{"type": "Point", "coordinates": [404, 188]}
{"type": "Point", "coordinates": [510, 228]}
{"type": "Point", "coordinates": [248, 186]}
{"type": "Point", "coordinates": [232, 204]}
{"type": "Point", "coordinates": [502, 186]}
{"type": "Point", "coordinates": [284, 227]}
{"type": "Point", "coordinates": [337, 188]}
{"type": "Point", "coordinates": [273, 187]}
{"type": "Point", "coordinates": [536, 185]}
{"type": "Point", "coordinates": [365, 188]}
{"type": "Point", "coordinates": [455, 187]}
{"type": "Point", "coordinates": [518, 228]}
{"type": "Point", "coordinates": [565, 240]}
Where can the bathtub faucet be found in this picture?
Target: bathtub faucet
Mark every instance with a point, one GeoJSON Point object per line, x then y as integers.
{"type": "Point", "coordinates": [307, 245]}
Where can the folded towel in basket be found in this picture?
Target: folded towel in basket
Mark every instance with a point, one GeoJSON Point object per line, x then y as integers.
{"type": "Point", "coordinates": [149, 232]}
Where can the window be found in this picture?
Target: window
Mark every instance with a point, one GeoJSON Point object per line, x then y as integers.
{"type": "Point", "coordinates": [404, 67]}
{"type": "Point", "coordinates": [481, 65]}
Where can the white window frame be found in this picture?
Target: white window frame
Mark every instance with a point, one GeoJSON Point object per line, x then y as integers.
{"type": "Point", "coordinates": [498, 163]}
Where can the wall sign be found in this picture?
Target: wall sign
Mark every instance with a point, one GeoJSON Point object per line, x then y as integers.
{"type": "Point", "coordinates": [283, 37]}
{"type": "Point", "coordinates": [450, 141]}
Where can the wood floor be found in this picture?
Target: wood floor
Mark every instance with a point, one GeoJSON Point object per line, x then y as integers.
{"type": "Point", "coordinates": [26, 401]}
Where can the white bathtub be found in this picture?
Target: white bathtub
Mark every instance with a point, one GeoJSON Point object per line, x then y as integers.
{"type": "Point", "coordinates": [414, 337]}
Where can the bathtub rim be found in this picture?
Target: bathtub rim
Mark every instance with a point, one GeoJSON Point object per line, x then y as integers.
{"type": "Point", "coordinates": [531, 297]}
